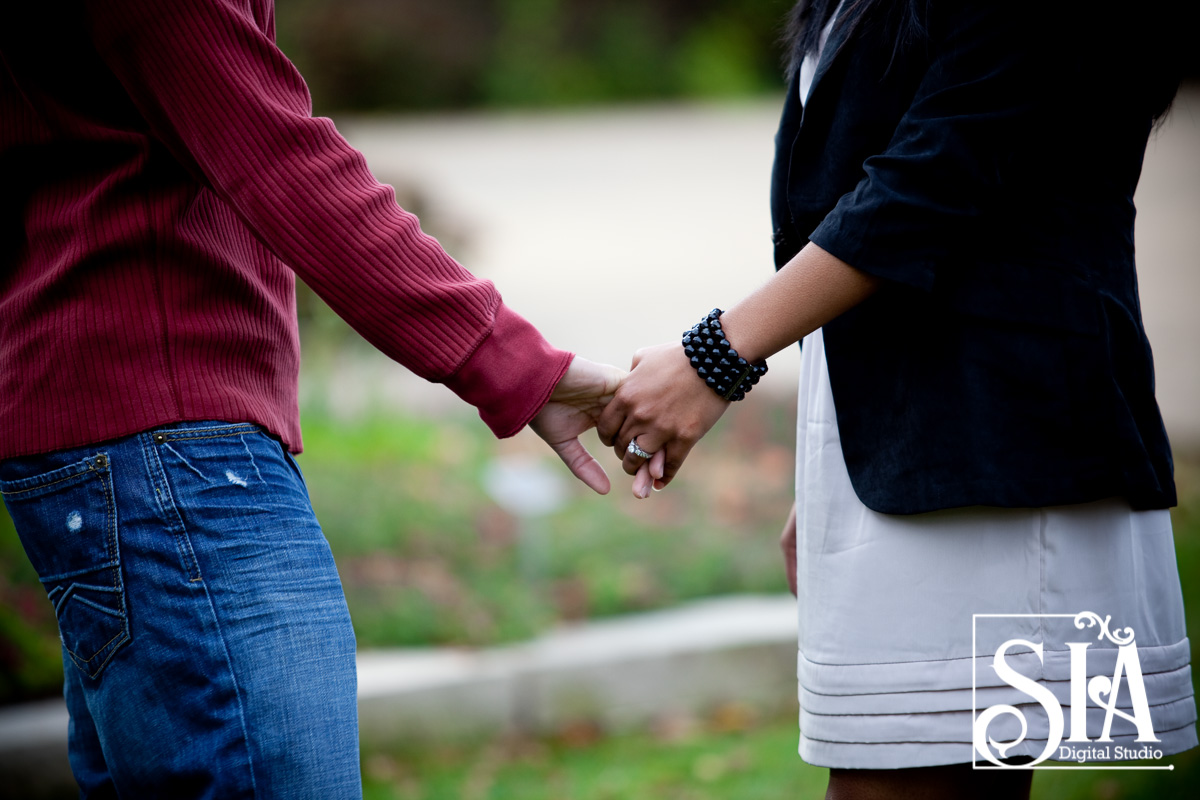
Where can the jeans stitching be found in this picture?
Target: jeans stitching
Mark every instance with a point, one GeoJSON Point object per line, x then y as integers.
{"type": "Point", "coordinates": [221, 426]}
{"type": "Point", "coordinates": [210, 436]}
{"type": "Point", "coordinates": [181, 435]}
{"type": "Point", "coordinates": [61, 576]}
{"type": "Point", "coordinates": [101, 609]}
{"type": "Point", "coordinates": [114, 554]}
{"type": "Point", "coordinates": [170, 511]}
{"type": "Point", "coordinates": [112, 645]}
{"type": "Point", "coordinates": [91, 467]}
{"type": "Point", "coordinates": [111, 543]}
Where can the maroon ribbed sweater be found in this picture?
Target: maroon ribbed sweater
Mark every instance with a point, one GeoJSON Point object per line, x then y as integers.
{"type": "Point", "coordinates": [161, 177]}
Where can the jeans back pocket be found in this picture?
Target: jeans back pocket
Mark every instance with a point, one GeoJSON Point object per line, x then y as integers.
{"type": "Point", "coordinates": [67, 522]}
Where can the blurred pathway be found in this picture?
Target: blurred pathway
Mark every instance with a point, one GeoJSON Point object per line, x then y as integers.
{"type": "Point", "coordinates": [617, 228]}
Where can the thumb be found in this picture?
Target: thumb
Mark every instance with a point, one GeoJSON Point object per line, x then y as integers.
{"type": "Point", "coordinates": [586, 379]}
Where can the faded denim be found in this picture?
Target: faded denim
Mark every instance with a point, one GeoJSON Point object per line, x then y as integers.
{"type": "Point", "coordinates": [206, 641]}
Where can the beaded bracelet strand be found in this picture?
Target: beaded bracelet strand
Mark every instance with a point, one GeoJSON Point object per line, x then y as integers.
{"type": "Point", "coordinates": [715, 360]}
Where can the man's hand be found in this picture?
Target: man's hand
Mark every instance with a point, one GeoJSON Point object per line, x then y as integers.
{"type": "Point", "coordinates": [575, 405]}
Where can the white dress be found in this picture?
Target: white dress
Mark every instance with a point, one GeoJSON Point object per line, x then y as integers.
{"type": "Point", "coordinates": [894, 664]}
{"type": "Point", "coordinates": [886, 605]}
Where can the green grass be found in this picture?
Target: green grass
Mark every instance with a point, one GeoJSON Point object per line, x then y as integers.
{"type": "Point", "coordinates": [705, 761]}
{"type": "Point", "coordinates": [687, 761]}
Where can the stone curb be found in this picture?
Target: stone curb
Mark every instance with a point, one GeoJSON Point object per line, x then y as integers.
{"type": "Point", "coordinates": [617, 674]}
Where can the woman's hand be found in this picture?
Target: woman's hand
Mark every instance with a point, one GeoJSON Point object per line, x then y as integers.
{"type": "Point", "coordinates": [787, 543]}
{"type": "Point", "coordinates": [667, 407]}
{"type": "Point", "coordinates": [574, 406]}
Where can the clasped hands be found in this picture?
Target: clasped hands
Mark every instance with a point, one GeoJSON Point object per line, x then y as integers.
{"type": "Point", "coordinates": [660, 402]}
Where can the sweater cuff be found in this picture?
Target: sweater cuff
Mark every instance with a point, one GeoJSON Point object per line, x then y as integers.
{"type": "Point", "coordinates": [510, 375]}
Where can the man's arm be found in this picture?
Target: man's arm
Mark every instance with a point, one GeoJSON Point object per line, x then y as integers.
{"type": "Point", "coordinates": [231, 108]}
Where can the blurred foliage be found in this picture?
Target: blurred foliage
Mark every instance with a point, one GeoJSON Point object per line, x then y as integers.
{"type": "Point", "coordinates": [372, 55]}
{"type": "Point", "coordinates": [30, 653]}
{"type": "Point", "coordinates": [428, 558]}
{"type": "Point", "coordinates": [416, 54]}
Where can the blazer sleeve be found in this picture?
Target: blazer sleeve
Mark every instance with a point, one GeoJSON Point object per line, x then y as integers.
{"type": "Point", "coordinates": [948, 154]}
{"type": "Point", "coordinates": [233, 110]}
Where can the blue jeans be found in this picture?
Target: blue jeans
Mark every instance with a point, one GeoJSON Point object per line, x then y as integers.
{"type": "Point", "coordinates": [206, 642]}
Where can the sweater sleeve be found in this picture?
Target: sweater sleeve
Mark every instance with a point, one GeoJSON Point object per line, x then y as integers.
{"type": "Point", "coordinates": [948, 155]}
{"type": "Point", "coordinates": [218, 93]}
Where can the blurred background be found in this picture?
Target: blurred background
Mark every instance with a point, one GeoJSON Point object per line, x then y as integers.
{"type": "Point", "coordinates": [606, 163]}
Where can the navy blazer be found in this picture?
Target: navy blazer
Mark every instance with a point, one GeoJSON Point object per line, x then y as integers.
{"type": "Point", "coordinates": [988, 177]}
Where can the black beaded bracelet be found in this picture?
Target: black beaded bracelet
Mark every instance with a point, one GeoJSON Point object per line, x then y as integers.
{"type": "Point", "coordinates": [715, 360]}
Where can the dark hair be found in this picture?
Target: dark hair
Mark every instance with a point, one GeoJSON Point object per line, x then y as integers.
{"type": "Point", "coordinates": [1154, 36]}
{"type": "Point", "coordinates": [904, 23]}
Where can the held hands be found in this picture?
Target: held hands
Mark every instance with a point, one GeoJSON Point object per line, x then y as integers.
{"type": "Point", "coordinates": [660, 403]}
{"type": "Point", "coordinates": [666, 407]}
{"type": "Point", "coordinates": [663, 404]}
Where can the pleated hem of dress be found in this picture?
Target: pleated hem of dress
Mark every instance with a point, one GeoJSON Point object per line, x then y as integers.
{"type": "Point", "coordinates": [905, 755]}
{"type": "Point", "coordinates": [892, 716]}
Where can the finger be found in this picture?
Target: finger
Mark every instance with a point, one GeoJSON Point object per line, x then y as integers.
{"type": "Point", "coordinates": [610, 422]}
{"type": "Point", "coordinates": [677, 453]}
{"type": "Point", "coordinates": [628, 432]}
{"type": "Point", "coordinates": [787, 543]}
{"type": "Point", "coordinates": [789, 565]}
{"type": "Point", "coordinates": [632, 463]}
{"type": "Point", "coordinates": [582, 465]}
{"type": "Point", "coordinates": [642, 482]}
{"type": "Point", "coordinates": [658, 464]}
{"type": "Point", "coordinates": [620, 442]}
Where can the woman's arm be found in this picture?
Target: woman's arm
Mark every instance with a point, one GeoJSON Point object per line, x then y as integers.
{"type": "Point", "coordinates": [810, 290]}
{"type": "Point", "coordinates": [970, 118]}
{"type": "Point", "coordinates": [666, 405]}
